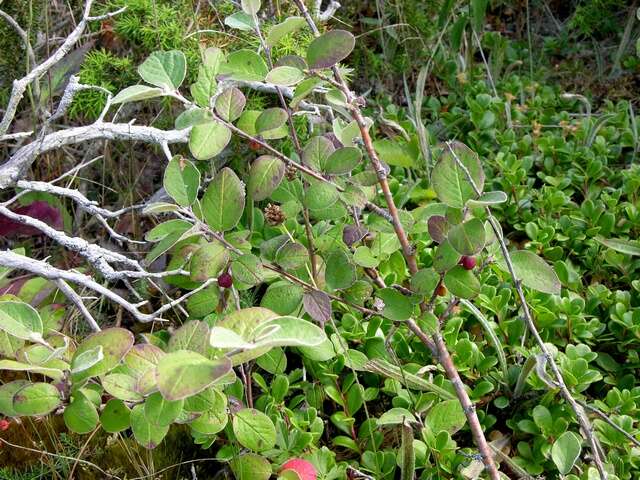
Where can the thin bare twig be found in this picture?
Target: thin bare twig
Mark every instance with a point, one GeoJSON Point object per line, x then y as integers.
{"type": "Point", "coordinates": [583, 420]}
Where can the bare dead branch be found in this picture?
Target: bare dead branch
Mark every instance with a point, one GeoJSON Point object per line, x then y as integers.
{"type": "Point", "coordinates": [15, 168]}
{"type": "Point", "coordinates": [19, 86]}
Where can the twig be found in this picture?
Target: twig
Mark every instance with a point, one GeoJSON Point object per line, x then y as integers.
{"type": "Point", "coordinates": [14, 261]}
{"type": "Point", "coordinates": [19, 86]}
{"type": "Point", "coordinates": [77, 301]}
{"type": "Point", "coordinates": [14, 169]}
{"type": "Point", "coordinates": [603, 416]}
{"type": "Point", "coordinates": [443, 354]}
{"type": "Point", "coordinates": [559, 380]}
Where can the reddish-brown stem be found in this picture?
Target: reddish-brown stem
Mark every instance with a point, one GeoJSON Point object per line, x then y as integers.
{"type": "Point", "coordinates": [409, 255]}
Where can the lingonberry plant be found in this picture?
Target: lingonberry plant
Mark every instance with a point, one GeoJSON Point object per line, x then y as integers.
{"type": "Point", "coordinates": [297, 244]}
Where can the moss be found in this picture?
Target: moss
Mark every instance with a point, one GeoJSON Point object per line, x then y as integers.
{"type": "Point", "coordinates": [104, 69]}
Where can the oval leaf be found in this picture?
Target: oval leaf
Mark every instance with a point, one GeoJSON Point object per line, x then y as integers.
{"type": "Point", "coordinates": [265, 176]}
{"type": "Point", "coordinates": [230, 104]}
{"type": "Point", "coordinates": [164, 69]}
{"type": "Point", "coordinates": [183, 373]}
{"type": "Point", "coordinates": [534, 272]}
{"type": "Point", "coordinates": [462, 282]}
{"type": "Point", "coordinates": [223, 202]}
{"type": "Point", "coordinates": [207, 140]}
{"type": "Point", "coordinates": [565, 451]}
{"type": "Point", "coordinates": [254, 430]}
{"type": "Point", "coordinates": [36, 399]}
{"type": "Point", "coordinates": [328, 49]}
{"type": "Point", "coordinates": [450, 181]}
{"type": "Point", "coordinates": [467, 238]}
{"type": "Point", "coordinates": [182, 181]}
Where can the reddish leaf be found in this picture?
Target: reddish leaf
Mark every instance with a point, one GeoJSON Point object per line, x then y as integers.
{"type": "Point", "coordinates": [438, 226]}
{"type": "Point", "coordinates": [353, 233]}
{"type": "Point", "coordinates": [318, 305]}
{"type": "Point", "coordinates": [40, 210]}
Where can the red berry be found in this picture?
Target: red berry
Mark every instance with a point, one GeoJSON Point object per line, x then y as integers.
{"type": "Point", "coordinates": [255, 146]}
{"type": "Point", "coordinates": [304, 468]}
{"type": "Point", "coordinates": [441, 291]}
{"type": "Point", "coordinates": [225, 280]}
{"type": "Point", "coordinates": [4, 424]}
{"type": "Point", "coordinates": [468, 262]}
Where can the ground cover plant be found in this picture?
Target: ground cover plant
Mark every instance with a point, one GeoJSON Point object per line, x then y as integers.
{"type": "Point", "coordinates": [298, 281]}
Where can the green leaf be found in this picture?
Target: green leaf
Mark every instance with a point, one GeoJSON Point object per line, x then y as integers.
{"type": "Point", "coordinates": [136, 92]}
{"type": "Point", "coordinates": [316, 152]}
{"type": "Point", "coordinates": [36, 399]}
{"type": "Point", "coordinates": [288, 332]}
{"type": "Point", "coordinates": [282, 297]}
{"type": "Point", "coordinates": [207, 140]}
{"type": "Point", "coordinates": [446, 257]}
{"type": "Point", "coordinates": [321, 195]}
{"type": "Point", "coordinates": [265, 176]}
{"type": "Point", "coordinates": [250, 7]}
{"type": "Point", "coordinates": [210, 422]}
{"type": "Point", "coordinates": [161, 411]}
{"type": "Point", "coordinates": [115, 417]}
{"type": "Point", "coordinates": [565, 451]}
{"type": "Point", "coordinates": [240, 21]}
{"type": "Point", "coordinates": [251, 466]}
{"type": "Point", "coordinates": [447, 415]}
{"type": "Point", "coordinates": [364, 257]}
{"type": "Point", "coordinates": [330, 48]}
{"type": "Point", "coordinates": [340, 272]}
{"type": "Point", "coordinates": [183, 373]}
{"type": "Point", "coordinates": [285, 76]}
{"type": "Point", "coordinates": [396, 305]}
{"type": "Point", "coordinates": [208, 261]}
{"type": "Point", "coordinates": [395, 153]}
{"type": "Point", "coordinates": [223, 202]}
{"type": "Point", "coordinates": [12, 365]}
{"type": "Point", "coordinates": [122, 386]}
{"type": "Point", "coordinates": [21, 320]}
{"type": "Point", "coordinates": [467, 238]}
{"type": "Point", "coordinates": [396, 416]}
{"type": "Point", "coordinates": [230, 104]}
{"type": "Point", "coordinates": [292, 255]}
{"type": "Point", "coordinates": [7, 391]}
{"type": "Point", "coordinates": [115, 343]}
{"type": "Point", "coordinates": [343, 161]}
{"type": "Point", "coordinates": [254, 430]}
{"type": "Point", "coordinates": [425, 281]}
{"type": "Point", "coordinates": [191, 117]}
{"type": "Point", "coordinates": [164, 69]}
{"type": "Point", "coordinates": [621, 245]}
{"type": "Point", "coordinates": [206, 85]}
{"type": "Point", "coordinates": [247, 269]}
{"type": "Point", "coordinates": [193, 335]}
{"type": "Point", "coordinates": [182, 181]}
{"type": "Point", "coordinates": [146, 433]}
{"type": "Point", "coordinates": [279, 31]}
{"type": "Point", "coordinates": [534, 272]}
{"type": "Point", "coordinates": [245, 65]}
{"type": "Point", "coordinates": [80, 416]}
{"type": "Point", "coordinates": [462, 282]}
{"type": "Point", "coordinates": [270, 119]}
{"type": "Point", "coordinates": [449, 180]}
{"type": "Point", "coordinates": [488, 198]}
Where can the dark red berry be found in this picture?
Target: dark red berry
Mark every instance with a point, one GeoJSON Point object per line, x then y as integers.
{"type": "Point", "coordinates": [468, 262]}
{"type": "Point", "coordinates": [4, 425]}
{"type": "Point", "coordinates": [255, 146]}
{"type": "Point", "coordinates": [225, 280]}
{"type": "Point", "coordinates": [441, 291]}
